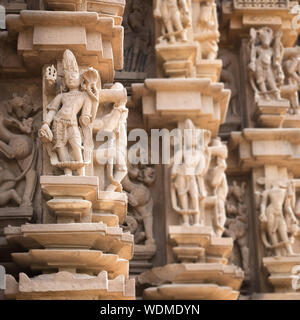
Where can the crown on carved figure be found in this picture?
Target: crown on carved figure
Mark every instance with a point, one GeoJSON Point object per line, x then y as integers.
{"type": "Point", "coordinates": [69, 62]}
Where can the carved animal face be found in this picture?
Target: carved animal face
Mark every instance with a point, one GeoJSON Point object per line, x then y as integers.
{"type": "Point", "coordinates": [265, 36]}
{"type": "Point", "coordinates": [148, 176]}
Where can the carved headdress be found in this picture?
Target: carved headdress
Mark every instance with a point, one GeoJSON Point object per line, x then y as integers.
{"type": "Point", "coordinates": [69, 62]}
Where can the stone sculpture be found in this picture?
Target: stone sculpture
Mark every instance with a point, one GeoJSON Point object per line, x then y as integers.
{"type": "Point", "coordinates": [237, 221]}
{"type": "Point", "coordinates": [175, 19]}
{"type": "Point", "coordinates": [207, 30]}
{"type": "Point", "coordinates": [188, 189]}
{"type": "Point", "coordinates": [61, 130]}
{"type": "Point", "coordinates": [266, 52]}
{"type": "Point", "coordinates": [17, 143]}
{"type": "Point", "coordinates": [291, 67]}
{"type": "Point", "coordinates": [228, 77]}
{"type": "Point", "coordinates": [140, 198]}
{"type": "Point", "coordinates": [218, 182]}
{"type": "Point", "coordinates": [138, 35]}
{"type": "Point", "coordinates": [278, 222]}
{"type": "Point", "coordinates": [113, 157]}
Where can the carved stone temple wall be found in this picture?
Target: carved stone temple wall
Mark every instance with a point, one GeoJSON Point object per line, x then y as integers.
{"type": "Point", "coordinates": [82, 217]}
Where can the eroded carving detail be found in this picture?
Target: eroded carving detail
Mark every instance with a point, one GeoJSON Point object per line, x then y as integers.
{"type": "Point", "coordinates": [140, 219]}
{"type": "Point", "coordinates": [175, 19]}
{"type": "Point", "coordinates": [266, 75]}
{"type": "Point", "coordinates": [278, 222]}
{"type": "Point", "coordinates": [237, 221]}
{"type": "Point", "coordinates": [68, 140]}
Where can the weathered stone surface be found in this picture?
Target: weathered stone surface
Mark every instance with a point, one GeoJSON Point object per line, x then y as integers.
{"type": "Point", "coordinates": [68, 286]}
{"type": "Point", "coordinates": [190, 292]}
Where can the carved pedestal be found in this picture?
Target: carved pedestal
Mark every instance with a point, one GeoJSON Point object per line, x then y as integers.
{"type": "Point", "coordinates": [282, 274]}
{"type": "Point", "coordinates": [271, 114]}
{"type": "Point", "coordinates": [91, 258]}
{"type": "Point", "coordinates": [178, 59]}
{"type": "Point", "coordinates": [165, 102]}
{"type": "Point", "coordinates": [209, 69]}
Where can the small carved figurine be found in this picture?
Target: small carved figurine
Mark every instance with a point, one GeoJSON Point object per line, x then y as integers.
{"type": "Point", "coordinates": [266, 75]}
{"type": "Point", "coordinates": [61, 132]}
{"type": "Point", "coordinates": [175, 16]}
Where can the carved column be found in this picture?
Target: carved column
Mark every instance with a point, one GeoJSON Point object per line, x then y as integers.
{"type": "Point", "coordinates": [79, 251]}
{"type": "Point", "coordinates": [189, 96]}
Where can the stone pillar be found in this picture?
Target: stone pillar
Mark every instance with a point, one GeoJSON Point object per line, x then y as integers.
{"type": "Point", "coordinates": [189, 96]}
{"type": "Point", "coordinates": [79, 252]}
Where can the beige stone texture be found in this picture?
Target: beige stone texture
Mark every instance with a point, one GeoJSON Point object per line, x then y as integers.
{"type": "Point", "coordinates": [68, 286]}
{"type": "Point", "coordinates": [165, 102]}
{"type": "Point", "coordinates": [80, 260]}
{"type": "Point", "coordinates": [187, 273]}
{"type": "Point", "coordinates": [259, 147]}
{"type": "Point", "coordinates": [242, 15]}
{"type": "Point", "coordinates": [96, 236]}
{"type": "Point", "coordinates": [104, 8]}
{"type": "Point", "coordinates": [43, 36]}
{"type": "Point", "coordinates": [281, 272]}
{"type": "Point", "coordinates": [190, 292]}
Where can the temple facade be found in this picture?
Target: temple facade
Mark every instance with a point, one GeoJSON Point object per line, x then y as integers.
{"type": "Point", "coordinates": [150, 149]}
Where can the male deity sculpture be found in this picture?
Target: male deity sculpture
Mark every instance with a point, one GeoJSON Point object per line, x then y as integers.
{"type": "Point", "coordinates": [175, 16]}
{"type": "Point", "coordinates": [68, 140]}
{"type": "Point", "coordinates": [266, 75]}
{"type": "Point", "coordinates": [277, 217]}
{"type": "Point", "coordinates": [218, 182]}
{"type": "Point", "coordinates": [291, 67]}
{"type": "Point", "coordinates": [207, 33]}
{"type": "Point", "coordinates": [187, 176]}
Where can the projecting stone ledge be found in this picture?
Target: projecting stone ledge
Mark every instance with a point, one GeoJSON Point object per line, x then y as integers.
{"type": "Point", "coordinates": [96, 236]}
{"type": "Point", "coordinates": [165, 102]}
{"type": "Point", "coordinates": [196, 273]}
{"type": "Point", "coordinates": [284, 272]}
{"type": "Point", "coordinates": [198, 244]}
{"type": "Point", "coordinates": [76, 260]}
{"type": "Point", "coordinates": [43, 36]}
{"type": "Point", "coordinates": [70, 286]}
{"type": "Point", "coordinates": [190, 292]}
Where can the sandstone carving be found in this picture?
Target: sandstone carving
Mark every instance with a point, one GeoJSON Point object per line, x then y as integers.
{"type": "Point", "coordinates": [188, 189]}
{"type": "Point", "coordinates": [138, 35]}
{"type": "Point", "coordinates": [198, 177]}
{"type": "Point", "coordinates": [278, 222]}
{"type": "Point", "coordinates": [113, 157]}
{"type": "Point", "coordinates": [291, 68]}
{"type": "Point", "coordinates": [206, 30]}
{"type": "Point", "coordinates": [265, 68]}
{"type": "Point", "coordinates": [175, 19]}
{"type": "Point", "coordinates": [61, 130]}
{"type": "Point", "coordinates": [17, 143]}
{"type": "Point", "coordinates": [140, 222]}
{"type": "Point", "coordinates": [237, 221]}
{"type": "Point", "coordinates": [228, 77]}
{"type": "Point", "coordinates": [217, 180]}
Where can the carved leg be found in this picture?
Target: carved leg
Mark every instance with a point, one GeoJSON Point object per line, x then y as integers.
{"type": "Point", "coordinates": [183, 198]}
{"type": "Point", "coordinates": [284, 236]}
{"type": "Point", "coordinates": [6, 150]}
{"type": "Point", "coordinates": [178, 25]}
{"type": "Point", "coordinates": [148, 225]}
{"type": "Point", "coordinates": [244, 253]}
{"type": "Point", "coordinates": [31, 178]}
{"type": "Point", "coordinates": [8, 195]}
{"type": "Point", "coordinates": [63, 157]}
